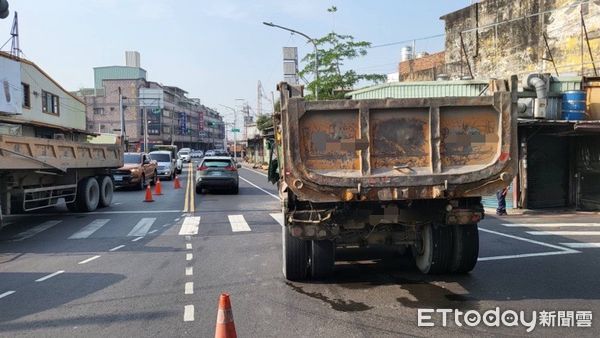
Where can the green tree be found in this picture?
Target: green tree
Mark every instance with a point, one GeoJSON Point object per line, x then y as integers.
{"type": "Point", "coordinates": [334, 49]}
{"type": "Point", "coordinates": [264, 121]}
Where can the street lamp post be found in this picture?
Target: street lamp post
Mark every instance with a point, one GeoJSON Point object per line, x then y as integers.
{"type": "Point", "coordinates": [234, 133]}
{"type": "Point", "coordinates": [311, 40]}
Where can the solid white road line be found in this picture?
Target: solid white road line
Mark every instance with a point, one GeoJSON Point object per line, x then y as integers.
{"type": "Point", "coordinates": [89, 259]}
{"type": "Point", "coordinates": [189, 271]}
{"type": "Point", "coordinates": [142, 227]}
{"type": "Point", "coordinates": [562, 250]}
{"type": "Point", "coordinates": [35, 230]}
{"type": "Point", "coordinates": [190, 226]}
{"type": "Point", "coordinates": [278, 217]}
{"type": "Point", "coordinates": [137, 239]}
{"type": "Point", "coordinates": [188, 313]}
{"type": "Point", "coordinates": [255, 171]}
{"type": "Point", "coordinates": [581, 245]}
{"type": "Point", "coordinates": [189, 257]}
{"type": "Point", "coordinates": [7, 293]}
{"type": "Point", "coordinates": [538, 254]}
{"type": "Point", "coordinates": [551, 225]}
{"type": "Point", "coordinates": [526, 240]}
{"type": "Point", "coordinates": [564, 233]}
{"type": "Point", "coordinates": [189, 288]}
{"type": "Point", "coordinates": [153, 231]}
{"type": "Point", "coordinates": [238, 223]}
{"type": "Point", "coordinates": [188, 246]}
{"type": "Point", "coordinates": [116, 248]}
{"type": "Point", "coordinates": [259, 188]}
{"type": "Point", "coordinates": [89, 229]}
{"type": "Point", "coordinates": [50, 276]}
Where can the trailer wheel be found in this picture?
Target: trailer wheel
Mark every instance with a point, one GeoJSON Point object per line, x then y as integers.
{"type": "Point", "coordinates": [465, 248]}
{"type": "Point", "coordinates": [432, 254]}
{"type": "Point", "coordinates": [322, 259]}
{"type": "Point", "coordinates": [88, 194]}
{"type": "Point", "coordinates": [295, 256]}
{"type": "Point", "coordinates": [106, 191]}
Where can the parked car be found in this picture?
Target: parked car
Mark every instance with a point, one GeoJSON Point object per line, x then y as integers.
{"type": "Point", "coordinates": [166, 164]}
{"type": "Point", "coordinates": [137, 171]}
{"type": "Point", "coordinates": [209, 153]}
{"type": "Point", "coordinates": [217, 172]}
{"type": "Point", "coordinates": [222, 153]}
{"type": "Point", "coordinates": [185, 156]}
{"type": "Point", "coordinates": [196, 154]}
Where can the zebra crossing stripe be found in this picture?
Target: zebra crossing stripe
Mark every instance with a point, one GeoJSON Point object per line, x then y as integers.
{"type": "Point", "coordinates": [89, 229]}
{"type": "Point", "coordinates": [36, 230]}
{"type": "Point", "coordinates": [190, 226]}
{"type": "Point", "coordinates": [142, 227]}
{"type": "Point", "coordinates": [238, 223]}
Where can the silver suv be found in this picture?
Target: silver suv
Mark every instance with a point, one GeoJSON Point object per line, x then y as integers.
{"type": "Point", "coordinates": [217, 172]}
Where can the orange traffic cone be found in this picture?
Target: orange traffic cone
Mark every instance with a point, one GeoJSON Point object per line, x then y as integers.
{"type": "Point", "coordinates": [148, 194]}
{"type": "Point", "coordinates": [176, 183]}
{"type": "Point", "coordinates": [157, 187]}
{"type": "Point", "coordinates": [225, 325]}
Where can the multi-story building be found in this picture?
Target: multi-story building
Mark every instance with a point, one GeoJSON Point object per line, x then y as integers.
{"type": "Point", "coordinates": [170, 116]}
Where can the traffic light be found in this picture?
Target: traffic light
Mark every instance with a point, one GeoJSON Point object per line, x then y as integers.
{"type": "Point", "coordinates": [3, 9]}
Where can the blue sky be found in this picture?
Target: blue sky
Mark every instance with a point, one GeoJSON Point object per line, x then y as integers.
{"type": "Point", "coordinates": [216, 50]}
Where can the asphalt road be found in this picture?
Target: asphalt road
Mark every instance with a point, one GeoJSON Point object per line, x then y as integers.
{"type": "Point", "coordinates": [150, 269]}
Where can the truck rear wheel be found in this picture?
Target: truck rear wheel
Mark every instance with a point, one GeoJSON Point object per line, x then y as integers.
{"type": "Point", "coordinates": [106, 191]}
{"type": "Point", "coordinates": [88, 194]}
{"type": "Point", "coordinates": [433, 253]}
{"type": "Point", "coordinates": [322, 259]}
{"type": "Point", "coordinates": [465, 248]}
{"type": "Point", "coordinates": [295, 256]}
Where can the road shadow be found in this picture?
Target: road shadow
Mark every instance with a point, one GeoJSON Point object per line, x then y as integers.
{"type": "Point", "coordinates": [65, 287]}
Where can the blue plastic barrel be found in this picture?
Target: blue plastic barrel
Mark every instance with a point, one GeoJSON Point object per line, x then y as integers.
{"type": "Point", "coordinates": [573, 105]}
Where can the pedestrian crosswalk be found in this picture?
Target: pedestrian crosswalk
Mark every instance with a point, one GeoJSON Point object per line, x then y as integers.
{"type": "Point", "coordinates": [580, 231]}
{"type": "Point", "coordinates": [186, 226]}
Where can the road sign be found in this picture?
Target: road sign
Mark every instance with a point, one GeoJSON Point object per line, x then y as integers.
{"type": "Point", "coordinates": [235, 130]}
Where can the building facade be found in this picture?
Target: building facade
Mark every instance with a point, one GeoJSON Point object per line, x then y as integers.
{"type": "Point", "coordinates": [165, 113]}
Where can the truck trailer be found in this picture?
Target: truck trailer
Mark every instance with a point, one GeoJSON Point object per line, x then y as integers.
{"type": "Point", "coordinates": [407, 173]}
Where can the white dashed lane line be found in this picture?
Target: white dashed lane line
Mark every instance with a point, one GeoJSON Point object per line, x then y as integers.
{"type": "Point", "coordinates": [188, 246]}
{"type": "Point", "coordinates": [89, 259]}
{"type": "Point", "coordinates": [188, 313]}
{"type": "Point", "coordinates": [49, 276]}
{"type": "Point", "coordinates": [189, 271]}
{"type": "Point", "coordinates": [7, 293]}
{"type": "Point", "coordinates": [189, 257]}
{"type": "Point", "coordinates": [136, 239]}
{"type": "Point", "coordinates": [117, 248]}
{"type": "Point", "coordinates": [189, 288]}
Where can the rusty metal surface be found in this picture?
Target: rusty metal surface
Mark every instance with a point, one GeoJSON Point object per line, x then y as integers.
{"type": "Point", "coordinates": [397, 149]}
{"type": "Point", "coordinates": [19, 152]}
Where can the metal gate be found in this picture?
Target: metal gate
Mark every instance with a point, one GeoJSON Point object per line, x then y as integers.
{"type": "Point", "coordinates": [547, 171]}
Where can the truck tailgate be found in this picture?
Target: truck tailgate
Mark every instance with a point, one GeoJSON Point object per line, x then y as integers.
{"type": "Point", "coordinates": [433, 147]}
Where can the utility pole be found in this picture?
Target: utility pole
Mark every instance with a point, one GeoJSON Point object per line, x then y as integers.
{"type": "Point", "coordinates": [122, 116]}
{"type": "Point", "coordinates": [232, 130]}
{"type": "Point", "coordinates": [145, 126]}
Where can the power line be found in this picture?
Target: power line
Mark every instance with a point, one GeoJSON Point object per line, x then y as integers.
{"type": "Point", "coordinates": [407, 41]}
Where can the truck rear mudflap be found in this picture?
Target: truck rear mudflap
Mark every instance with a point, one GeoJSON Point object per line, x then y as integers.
{"type": "Point", "coordinates": [398, 149]}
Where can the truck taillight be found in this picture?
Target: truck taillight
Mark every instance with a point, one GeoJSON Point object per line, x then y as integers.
{"type": "Point", "coordinates": [202, 168]}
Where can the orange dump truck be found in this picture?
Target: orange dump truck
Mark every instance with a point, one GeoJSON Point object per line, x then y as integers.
{"type": "Point", "coordinates": [408, 173]}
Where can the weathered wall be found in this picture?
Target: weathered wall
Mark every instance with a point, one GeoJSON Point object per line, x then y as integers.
{"type": "Point", "coordinates": [422, 69]}
{"type": "Point", "coordinates": [517, 46]}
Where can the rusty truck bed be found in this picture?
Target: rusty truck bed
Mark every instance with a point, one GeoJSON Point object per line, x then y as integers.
{"type": "Point", "coordinates": [398, 149]}
{"type": "Point", "coordinates": [19, 152]}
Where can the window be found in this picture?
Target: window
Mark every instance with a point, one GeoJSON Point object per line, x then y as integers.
{"type": "Point", "coordinates": [26, 95]}
{"type": "Point", "coordinates": [50, 103]}
{"type": "Point", "coordinates": [98, 111]}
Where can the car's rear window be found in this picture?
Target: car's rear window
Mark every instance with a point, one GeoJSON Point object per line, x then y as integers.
{"type": "Point", "coordinates": [161, 157]}
{"type": "Point", "coordinates": [216, 163]}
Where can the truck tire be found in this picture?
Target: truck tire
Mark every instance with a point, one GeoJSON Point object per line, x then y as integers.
{"type": "Point", "coordinates": [106, 191]}
{"type": "Point", "coordinates": [88, 194]}
{"type": "Point", "coordinates": [433, 256]}
{"type": "Point", "coordinates": [465, 248]}
{"type": "Point", "coordinates": [322, 259]}
{"type": "Point", "coordinates": [295, 256]}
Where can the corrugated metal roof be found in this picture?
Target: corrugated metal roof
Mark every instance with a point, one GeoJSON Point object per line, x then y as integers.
{"type": "Point", "coordinates": [421, 89]}
{"type": "Point", "coordinates": [117, 73]}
